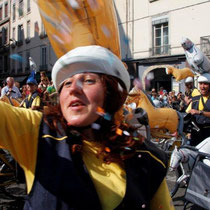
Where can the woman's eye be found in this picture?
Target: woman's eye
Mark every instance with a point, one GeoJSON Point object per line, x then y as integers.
{"type": "Point", "coordinates": [67, 84]}
{"type": "Point", "coordinates": [89, 81]}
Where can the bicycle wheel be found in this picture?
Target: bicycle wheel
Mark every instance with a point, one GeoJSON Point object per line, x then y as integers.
{"type": "Point", "coordinates": [9, 183]}
{"type": "Point", "coordinates": [172, 180]}
{"type": "Point", "coordinates": [14, 190]}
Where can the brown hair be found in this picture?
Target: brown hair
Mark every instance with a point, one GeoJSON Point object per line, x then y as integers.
{"type": "Point", "coordinates": [115, 147]}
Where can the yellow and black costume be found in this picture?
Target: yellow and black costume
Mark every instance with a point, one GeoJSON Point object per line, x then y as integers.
{"type": "Point", "coordinates": [32, 100]}
{"type": "Point", "coordinates": [201, 103]}
{"type": "Point", "coordinates": [58, 179]}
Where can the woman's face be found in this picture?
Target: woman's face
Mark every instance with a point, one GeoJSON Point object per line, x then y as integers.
{"type": "Point", "coordinates": [79, 98]}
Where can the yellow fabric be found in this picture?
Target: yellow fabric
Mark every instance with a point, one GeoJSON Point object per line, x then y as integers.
{"type": "Point", "coordinates": [162, 199]}
{"type": "Point", "coordinates": [195, 92]}
{"type": "Point", "coordinates": [36, 101]}
{"type": "Point", "coordinates": [109, 179]}
{"type": "Point", "coordinates": [19, 130]}
{"type": "Point", "coordinates": [200, 105]}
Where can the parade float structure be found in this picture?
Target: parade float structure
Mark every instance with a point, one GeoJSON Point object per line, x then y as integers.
{"type": "Point", "coordinates": [198, 62]}
{"type": "Point", "coordinates": [196, 59]}
{"type": "Point", "coordinates": [159, 118]}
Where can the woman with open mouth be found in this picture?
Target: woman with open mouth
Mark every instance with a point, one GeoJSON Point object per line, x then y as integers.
{"type": "Point", "coordinates": [80, 154]}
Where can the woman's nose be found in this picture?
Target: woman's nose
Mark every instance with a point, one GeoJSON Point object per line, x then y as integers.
{"type": "Point", "coordinates": [76, 86]}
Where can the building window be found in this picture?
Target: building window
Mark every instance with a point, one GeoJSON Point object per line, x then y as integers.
{"type": "Point", "coordinates": [43, 33]}
{"type": "Point", "coordinates": [28, 5]}
{"type": "Point", "coordinates": [6, 10]}
{"type": "Point", "coordinates": [0, 12]}
{"type": "Point", "coordinates": [43, 29]}
{"type": "Point", "coordinates": [13, 66]}
{"type": "Point", "coordinates": [160, 37]}
{"type": "Point", "coordinates": [13, 12]}
{"type": "Point", "coordinates": [28, 29]}
{"type": "Point", "coordinates": [1, 66]}
{"type": "Point", "coordinates": [13, 33]}
{"type": "Point", "coordinates": [20, 65]}
{"type": "Point", "coordinates": [27, 61]}
{"type": "Point", "coordinates": [43, 55]}
{"type": "Point", "coordinates": [20, 33]}
{"type": "Point", "coordinates": [43, 65]}
{"type": "Point", "coordinates": [5, 35]}
{"type": "Point", "coordinates": [20, 9]}
{"type": "Point", "coordinates": [1, 39]}
{"type": "Point", "coordinates": [6, 63]}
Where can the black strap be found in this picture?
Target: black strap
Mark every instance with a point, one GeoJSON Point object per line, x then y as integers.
{"type": "Point", "coordinates": [29, 102]}
{"type": "Point", "coordinates": [204, 105]}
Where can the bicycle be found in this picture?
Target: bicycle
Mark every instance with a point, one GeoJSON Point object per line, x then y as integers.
{"type": "Point", "coordinates": [183, 158]}
{"type": "Point", "coordinates": [10, 177]}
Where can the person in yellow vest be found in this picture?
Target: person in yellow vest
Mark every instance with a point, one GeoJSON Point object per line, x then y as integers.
{"type": "Point", "coordinates": [190, 90]}
{"type": "Point", "coordinates": [32, 100]}
{"type": "Point", "coordinates": [200, 109]}
{"type": "Point", "coordinates": [74, 155]}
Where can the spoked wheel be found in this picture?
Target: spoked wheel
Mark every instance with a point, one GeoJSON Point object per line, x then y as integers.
{"type": "Point", "coordinates": [172, 178]}
{"type": "Point", "coordinates": [10, 184]}
{"type": "Point", "coordinates": [178, 178]}
{"type": "Point", "coordinates": [14, 190]}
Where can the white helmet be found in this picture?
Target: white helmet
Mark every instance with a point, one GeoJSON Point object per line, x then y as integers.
{"type": "Point", "coordinates": [188, 80]}
{"type": "Point", "coordinates": [95, 59]}
{"type": "Point", "coordinates": [204, 78]}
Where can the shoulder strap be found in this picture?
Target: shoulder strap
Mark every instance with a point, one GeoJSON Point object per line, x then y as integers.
{"type": "Point", "coordinates": [204, 104]}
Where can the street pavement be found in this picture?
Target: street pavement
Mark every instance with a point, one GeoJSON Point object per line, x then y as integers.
{"type": "Point", "coordinates": [8, 203]}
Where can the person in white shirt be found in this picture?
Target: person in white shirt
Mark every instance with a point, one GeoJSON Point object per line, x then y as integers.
{"type": "Point", "coordinates": [10, 89]}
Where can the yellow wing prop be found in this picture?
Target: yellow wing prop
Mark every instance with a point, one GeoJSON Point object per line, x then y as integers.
{"type": "Point", "coordinates": [73, 23]}
{"type": "Point", "coordinates": [179, 74]}
{"type": "Point", "coordinates": [160, 118]}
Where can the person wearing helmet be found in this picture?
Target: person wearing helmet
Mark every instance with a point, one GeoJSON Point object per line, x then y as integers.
{"type": "Point", "coordinates": [79, 154]}
{"type": "Point", "coordinates": [32, 100]}
{"type": "Point", "coordinates": [200, 109]}
{"type": "Point", "coordinates": [190, 90]}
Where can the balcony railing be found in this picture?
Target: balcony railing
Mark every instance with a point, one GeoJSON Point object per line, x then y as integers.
{"type": "Point", "coordinates": [160, 50]}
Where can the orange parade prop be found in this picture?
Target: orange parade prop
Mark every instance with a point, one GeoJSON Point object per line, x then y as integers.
{"type": "Point", "coordinates": [179, 74]}
{"type": "Point", "coordinates": [73, 23]}
{"type": "Point", "coordinates": [12, 101]}
{"type": "Point", "coordinates": [161, 118]}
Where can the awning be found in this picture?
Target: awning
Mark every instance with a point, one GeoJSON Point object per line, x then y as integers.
{"type": "Point", "coordinates": [20, 78]}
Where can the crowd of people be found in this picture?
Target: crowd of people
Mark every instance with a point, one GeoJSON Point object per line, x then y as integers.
{"type": "Point", "coordinates": [31, 95]}
{"type": "Point", "coordinates": [179, 101]}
